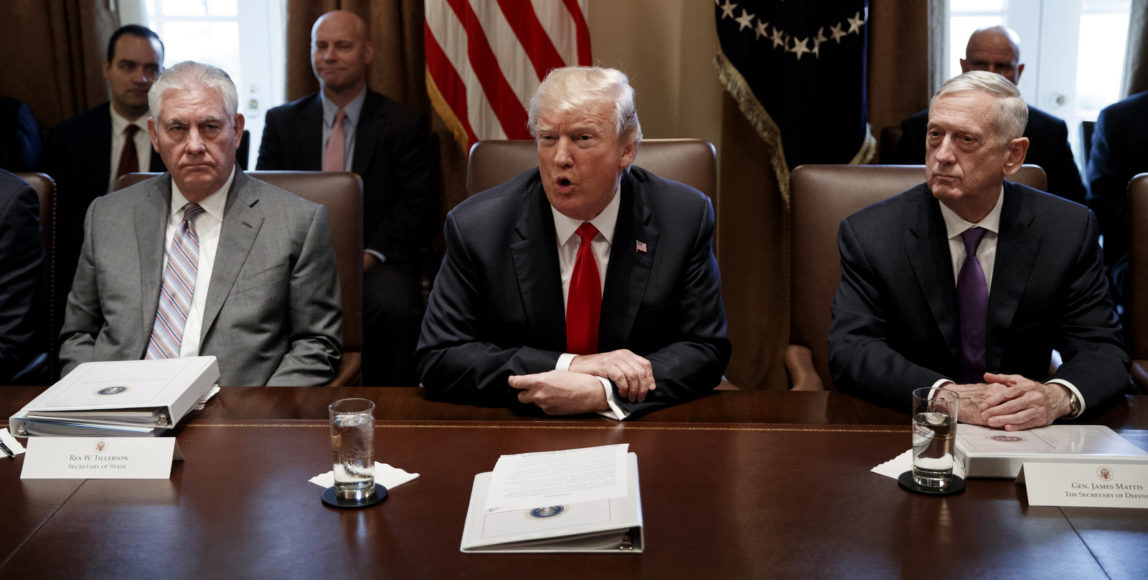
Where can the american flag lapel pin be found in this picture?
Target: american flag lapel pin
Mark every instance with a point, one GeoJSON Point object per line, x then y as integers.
{"type": "Point", "coordinates": [641, 246]}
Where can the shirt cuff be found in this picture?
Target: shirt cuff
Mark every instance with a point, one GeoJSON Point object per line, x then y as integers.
{"type": "Point", "coordinates": [564, 361]}
{"type": "Point", "coordinates": [941, 383]}
{"type": "Point", "coordinates": [1075, 391]}
{"type": "Point", "coordinates": [615, 411]}
{"type": "Point", "coordinates": [382, 257]}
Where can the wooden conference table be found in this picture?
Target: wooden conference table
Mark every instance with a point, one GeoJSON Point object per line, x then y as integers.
{"type": "Point", "coordinates": [736, 485]}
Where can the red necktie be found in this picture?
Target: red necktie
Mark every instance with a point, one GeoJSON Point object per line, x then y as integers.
{"type": "Point", "coordinates": [129, 158]}
{"type": "Point", "coordinates": [584, 302]}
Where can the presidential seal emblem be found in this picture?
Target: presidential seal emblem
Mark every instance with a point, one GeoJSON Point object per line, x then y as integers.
{"type": "Point", "coordinates": [1006, 438]}
{"type": "Point", "coordinates": [1104, 472]}
{"type": "Point", "coordinates": [112, 390]}
{"type": "Point", "coordinates": [547, 512]}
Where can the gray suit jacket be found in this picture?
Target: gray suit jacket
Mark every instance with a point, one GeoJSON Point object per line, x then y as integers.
{"type": "Point", "coordinates": [273, 314]}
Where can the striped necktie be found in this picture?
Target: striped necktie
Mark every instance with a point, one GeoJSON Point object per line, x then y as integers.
{"type": "Point", "coordinates": [177, 288]}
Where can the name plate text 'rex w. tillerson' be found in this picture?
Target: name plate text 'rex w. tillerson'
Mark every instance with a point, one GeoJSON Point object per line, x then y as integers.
{"type": "Point", "coordinates": [100, 457]}
{"type": "Point", "coordinates": [1118, 485]}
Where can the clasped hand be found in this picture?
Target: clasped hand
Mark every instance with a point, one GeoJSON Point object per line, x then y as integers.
{"type": "Point", "coordinates": [578, 389]}
{"type": "Point", "coordinates": [1011, 402]}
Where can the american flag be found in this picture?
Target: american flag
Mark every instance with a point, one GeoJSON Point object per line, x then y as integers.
{"type": "Point", "coordinates": [485, 58]}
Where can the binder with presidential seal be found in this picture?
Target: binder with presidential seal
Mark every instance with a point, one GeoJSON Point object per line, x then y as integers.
{"type": "Point", "coordinates": [568, 522]}
{"type": "Point", "coordinates": [138, 398]}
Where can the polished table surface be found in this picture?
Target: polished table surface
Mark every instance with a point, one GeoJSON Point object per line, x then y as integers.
{"type": "Point", "coordinates": [740, 484]}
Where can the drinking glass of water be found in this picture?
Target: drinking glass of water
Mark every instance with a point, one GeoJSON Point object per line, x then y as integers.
{"type": "Point", "coordinates": [352, 443]}
{"type": "Point", "coordinates": [934, 437]}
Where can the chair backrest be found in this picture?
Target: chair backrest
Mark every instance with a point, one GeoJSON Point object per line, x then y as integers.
{"type": "Point", "coordinates": [45, 189]}
{"type": "Point", "coordinates": [1137, 315]}
{"type": "Point", "coordinates": [689, 161]}
{"type": "Point", "coordinates": [342, 194]}
{"type": "Point", "coordinates": [820, 197]}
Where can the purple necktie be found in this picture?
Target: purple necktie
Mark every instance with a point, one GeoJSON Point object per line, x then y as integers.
{"type": "Point", "coordinates": [973, 302]}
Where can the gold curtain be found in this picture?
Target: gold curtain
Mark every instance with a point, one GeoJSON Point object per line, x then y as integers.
{"type": "Point", "coordinates": [53, 55]}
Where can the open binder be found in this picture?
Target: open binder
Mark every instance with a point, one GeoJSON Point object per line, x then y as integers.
{"type": "Point", "coordinates": [118, 398]}
{"type": "Point", "coordinates": [603, 526]}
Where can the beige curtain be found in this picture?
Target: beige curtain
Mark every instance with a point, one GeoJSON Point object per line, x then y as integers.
{"type": "Point", "coordinates": [1136, 60]}
{"type": "Point", "coordinates": [53, 55]}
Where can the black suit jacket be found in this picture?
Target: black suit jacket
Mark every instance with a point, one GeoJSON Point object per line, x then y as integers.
{"type": "Point", "coordinates": [21, 256]}
{"type": "Point", "coordinates": [19, 136]}
{"type": "Point", "coordinates": [1119, 153]}
{"type": "Point", "coordinates": [1048, 148]}
{"type": "Point", "coordinates": [496, 308]}
{"type": "Point", "coordinates": [393, 154]}
{"type": "Point", "coordinates": [896, 326]}
{"type": "Point", "coordinates": [78, 157]}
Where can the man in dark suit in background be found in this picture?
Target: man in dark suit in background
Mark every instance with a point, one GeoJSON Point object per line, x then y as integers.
{"type": "Point", "coordinates": [584, 285]}
{"type": "Point", "coordinates": [969, 282]}
{"type": "Point", "coordinates": [21, 257]}
{"type": "Point", "coordinates": [19, 136]}
{"type": "Point", "coordinates": [388, 145]}
{"type": "Point", "coordinates": [997, 49]}
{"type": "Point", "coordinates": [1119, 153]}
{"type": "Point", "coordinates": [87, 153]}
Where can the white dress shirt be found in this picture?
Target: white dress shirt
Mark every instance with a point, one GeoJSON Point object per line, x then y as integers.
{"type": "Point", "coordinates": [207, 227]}
{"type": "Point", "coordinates": [142, 141]}
{"type": "Point", "coordinates": [568, 244]}
{"type": "Point", "coordinates": [955, 225]}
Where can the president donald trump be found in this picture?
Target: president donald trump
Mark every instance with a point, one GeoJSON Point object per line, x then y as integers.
{"type": "Point", "coordinates": [205, 260]}
{"type": "Point", "coordinates": [584, 285]}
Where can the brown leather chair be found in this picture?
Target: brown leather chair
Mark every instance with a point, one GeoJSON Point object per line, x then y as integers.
{"type": "Point", "coordinates": [820, 197]}
{"type": "Point", "coordinates": [44, 367]}
{"type": "Point", "coordinates": [690, 161]}
{"type": "Point", "coordinates": [1137, 315]}
{"type": "Point", "coordinates": [342, 194]}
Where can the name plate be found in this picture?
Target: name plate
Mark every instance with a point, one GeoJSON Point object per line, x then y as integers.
{"type": "Point", "coordinates": [1118, 485]}
{"type": "Point", "coordinates": [100, 458]}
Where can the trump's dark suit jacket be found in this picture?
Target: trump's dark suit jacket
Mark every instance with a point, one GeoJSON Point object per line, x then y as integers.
{"type": "Point", "coordinates": [896, 326]}
{"type": "Point", "coordinates": [496, 309]}
{"type": "Point", "coordinates": [393, 155]}
{"type": "Point", "coordinates": [273, 310]}
{"type": "Point", "coordinates": [1048, 148]}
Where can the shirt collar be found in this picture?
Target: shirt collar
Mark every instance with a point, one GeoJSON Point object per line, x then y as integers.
{"type": "Point", "coordinates": [212, 205]}
{"type": "Point", "coordinates": [119, 122]}
{"type": "Point", "coordinates": [605, 221]}
{"type": "Point", "coordinates": [955, 225]}
{"type": "Point", "coordinates": [352, 109]}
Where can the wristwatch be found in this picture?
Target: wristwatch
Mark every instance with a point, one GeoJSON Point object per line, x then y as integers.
{"type": "Point", "coordinates": [1075, 406]}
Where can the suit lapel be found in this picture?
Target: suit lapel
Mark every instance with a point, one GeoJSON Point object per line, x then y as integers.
{"type": "Point", "coordinates": [1016, 254]}
{"type": "Point", "coordinates": [535, 258]}
{"type": "Point", "coordinates": [311, 135]}
{"type": "Point", "coordinates": [370, 126]}
{"type": "Point", "coordinates": [631, 258]}
{"type": "Point", "coordinates": [99, 164]}
{"type": "Point", "coordinates": [241, 223]}
{"type": "Point", "coordinates": [150, 225]}
{"type": "Point", "coordinates": [927, 247]}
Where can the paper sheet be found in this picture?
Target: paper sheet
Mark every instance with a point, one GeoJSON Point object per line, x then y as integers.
{"type": "Point", "coordinates": [904, 462]}
{"type": "Point", "coordinates": [385, 475]}
{"type": "Point", "coordinates": [530, 480]}
{"type": "Point", "coordinates": [10, 442]}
